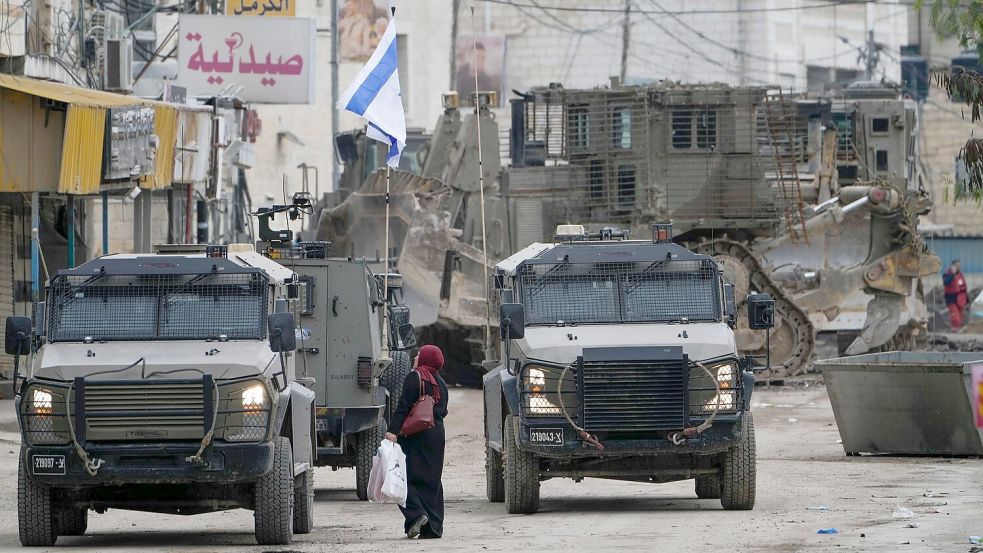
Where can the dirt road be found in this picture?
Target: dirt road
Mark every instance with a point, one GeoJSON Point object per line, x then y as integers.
{"type": "Point", "coordinates": [801, 468]}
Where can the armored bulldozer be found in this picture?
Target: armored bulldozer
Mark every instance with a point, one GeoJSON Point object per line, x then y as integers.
{"type": "Point", "coordinates": [352, 343]}
{"type": "Point", "coordinates": [163, 383]}
{"type": "Point", "coordinates": [619, 362]}
{"type": "Point", "coordinates": [435, 227]}
{"type": "Point", "coordinates": [813, 201]}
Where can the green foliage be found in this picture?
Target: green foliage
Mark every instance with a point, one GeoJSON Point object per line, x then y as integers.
{"type": "Point", "coordinates": [960, 19]}
{"type": "Point", "coordinates": [963, 20]}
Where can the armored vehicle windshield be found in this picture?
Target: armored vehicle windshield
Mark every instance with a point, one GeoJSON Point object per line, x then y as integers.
{"type": "Point", "coordinates": [620, 292]}
{"type": "Point", "coordinates": [158, 306]}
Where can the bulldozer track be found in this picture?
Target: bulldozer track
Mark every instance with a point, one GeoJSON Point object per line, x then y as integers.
{"type": "Point", "coordinates": [805, 337]}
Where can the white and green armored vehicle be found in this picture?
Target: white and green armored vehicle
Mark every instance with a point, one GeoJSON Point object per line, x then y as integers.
{"type": "Point", "coordinates": [620, 362]}
{"type": "Point", "coordinates": [163, 383]}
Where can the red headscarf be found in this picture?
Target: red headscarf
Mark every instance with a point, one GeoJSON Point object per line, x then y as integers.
{"type": "Point", "coordinates": [429, 364]}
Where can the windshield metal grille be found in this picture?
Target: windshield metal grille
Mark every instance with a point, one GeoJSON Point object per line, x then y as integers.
{"type": "Point", "coordinates": [661, 291]}
{"type": "Point", "coordinates": [157, 307]}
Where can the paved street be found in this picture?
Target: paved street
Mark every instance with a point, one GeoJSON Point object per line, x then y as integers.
{"type": "Point", "coordinates": [800, 469]}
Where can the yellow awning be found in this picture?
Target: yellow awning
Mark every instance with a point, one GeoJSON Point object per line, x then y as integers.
{"type": "Point", "coordinates": [85, 129]}
{"type": "Point", "coordinates": [70, 94]}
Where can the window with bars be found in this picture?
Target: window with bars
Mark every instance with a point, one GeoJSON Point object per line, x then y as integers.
{"type": "Point", "coordinates": [622, 128]}
{"type": "Point", "coordinates": [691, 127]}
{"type": "Point", "coordinates": [626, 186]}
{"type": "Point", "coordinates": [578, 121]}
{"type": "Point", "coordinates": [660, 291]}
{"type": "Point", "coordinates": [157, 307]}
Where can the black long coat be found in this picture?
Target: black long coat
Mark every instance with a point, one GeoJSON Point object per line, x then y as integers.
{"type": "Point", "coordinates": [424, 458]}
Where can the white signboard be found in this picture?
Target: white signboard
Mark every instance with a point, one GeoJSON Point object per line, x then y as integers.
{"type": "Point", "coordinates": [271, 59]}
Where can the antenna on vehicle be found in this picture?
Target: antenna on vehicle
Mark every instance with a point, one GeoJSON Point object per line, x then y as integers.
{"type": "Point", "coordinates": [481, 191]}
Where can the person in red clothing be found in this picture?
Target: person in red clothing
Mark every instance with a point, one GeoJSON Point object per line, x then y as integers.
{"type": "Point", "coordinates": [956, 297]}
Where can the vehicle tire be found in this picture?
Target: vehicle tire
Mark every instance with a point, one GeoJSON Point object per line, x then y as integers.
{"type": "Point", "coordinates": [392, 380]}
{"type": "Point", "coordinates": [494, 475]}
{"type": "Point", "coordinates": [521, 476]}
{"type": "Point", "coordinates": [72, 522]}
{"type": "Point", "coordinates": [275, 498]}
{"type": "Point", "coordinates": [708, 486]}
{"type": "Point", "coordinates": [35, 520]}
{"type": "Point", "coordinates": [366, 444]}
{"type": "Point", "coordinates": [304, 502]}
{"type": "Point", "coordinates": [737, 482]}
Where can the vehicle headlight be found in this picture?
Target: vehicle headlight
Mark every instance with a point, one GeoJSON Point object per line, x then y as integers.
{"type": "Point", "coordinates": [535, 387]}
{"type": "Point", "coordinates": [41, 402]}
{"type": "Point", "coordinates": [726, 375]}
{"type": "Point", "coordinates": [246, 414]}
{"type": "Point", "coordinates": [254, 397]}
{"type": "Point", "coordinates": [43, 416]}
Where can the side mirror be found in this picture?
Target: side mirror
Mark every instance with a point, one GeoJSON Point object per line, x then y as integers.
{"type": "Point", "coordinates": [513, 320]}
{"type": "Point", "coordinates": [760, 311]}
{"type": "Point", "coordinates": [17, 336]}
{"type": "Point", "coordinates": [407, 336]}
{"type": "Point", "coordinates": [730, 305]}
{"type": "Point", "coordinates": [282, 332]}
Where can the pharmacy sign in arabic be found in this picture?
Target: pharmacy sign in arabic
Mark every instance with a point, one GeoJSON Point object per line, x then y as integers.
{"type": "Point", "coordinates": [268, 60]}
{"type": "Point", "coordinates": [260, 7]}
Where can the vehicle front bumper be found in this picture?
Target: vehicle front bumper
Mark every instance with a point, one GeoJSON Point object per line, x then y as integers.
{"type": "Point", "coordinates": [723, 434]}
{"type": "Point", "coordinates": [155, 464]}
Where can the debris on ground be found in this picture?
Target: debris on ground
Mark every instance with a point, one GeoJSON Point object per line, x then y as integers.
{"type": "Point", "coordinates": [903, 513]}
{"type": "Point", "coordinates": [828, 531]}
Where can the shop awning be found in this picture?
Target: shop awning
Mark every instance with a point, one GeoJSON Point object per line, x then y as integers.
{"type": "Point", "coordinates": [80, 155]}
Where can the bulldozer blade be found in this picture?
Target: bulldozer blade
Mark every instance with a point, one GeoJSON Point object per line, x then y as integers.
{"type": "Point", "coordinates": [883, 320]}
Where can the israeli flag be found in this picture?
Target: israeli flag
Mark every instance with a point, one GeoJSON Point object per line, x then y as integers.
{"type": "Point", "coordinates": [374, 94]}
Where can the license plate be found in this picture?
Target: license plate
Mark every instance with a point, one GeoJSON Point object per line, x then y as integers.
{"type": "Point", "coordinates": [546, 436]}
{"type": "Point", "coordinates": [48, 464]}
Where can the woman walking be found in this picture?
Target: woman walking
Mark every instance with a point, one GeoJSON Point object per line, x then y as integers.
{"type": "Point", "coordinates": [424, 511]}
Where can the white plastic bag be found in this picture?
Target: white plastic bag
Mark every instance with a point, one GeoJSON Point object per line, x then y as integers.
{"type": "Point", "coordinates": [387, 481]}
{"type": "Point", "coordinates": [376, 477]}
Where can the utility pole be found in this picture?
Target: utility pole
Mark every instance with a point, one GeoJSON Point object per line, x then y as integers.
{"type": "Point", "coordinates": [871, 58]}
{"type": "Point", "coordinates": [625, 39]}
{"type": "Point", "coordinates": [455, 7]}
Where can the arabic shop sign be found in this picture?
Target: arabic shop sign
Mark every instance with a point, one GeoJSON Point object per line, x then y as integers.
{"type": "Point", "coordinates": [260, 7]}
{"type": "Point", "coordinates": [271, 59]}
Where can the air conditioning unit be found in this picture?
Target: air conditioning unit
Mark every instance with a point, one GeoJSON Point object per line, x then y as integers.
{"type": "Point", "coordinates": [117, 69]}
{"type": "Point", "coordinates": [106, 25]}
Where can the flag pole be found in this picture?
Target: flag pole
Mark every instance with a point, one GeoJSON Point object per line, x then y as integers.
{"type": "Point", "coordinates": [481, 191]}
{"type": "Point", "coordinates": [385, 287]}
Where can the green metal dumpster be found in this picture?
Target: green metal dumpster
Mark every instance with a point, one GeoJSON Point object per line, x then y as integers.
{"type": "Point", "coordinates": [904, 402]}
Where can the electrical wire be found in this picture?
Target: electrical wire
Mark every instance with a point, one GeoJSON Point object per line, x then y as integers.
{"type": "Point", "coordinates": [686, 12]}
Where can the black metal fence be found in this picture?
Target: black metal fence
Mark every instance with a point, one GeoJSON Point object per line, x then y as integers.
{"type": "Point", "coordinates": [107, 307]}
{"type": "Point", "coordinates": [661, 291]}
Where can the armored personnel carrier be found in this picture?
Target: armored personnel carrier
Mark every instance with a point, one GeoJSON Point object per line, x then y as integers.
{"type": "Point", "coordinates": [352, 343]}
{"type": "Point", "coordinates": [620, 362]}
{"type": "Point", "coordinates": [163, 383]}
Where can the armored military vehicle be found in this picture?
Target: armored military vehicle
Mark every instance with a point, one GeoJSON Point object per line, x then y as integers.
{"type": "Point", "coordinates": [620, 362]}
{"type": "Point", "coordinates": [435, 229]}
{"type": "Point", "coordinates": [355, 361]}
{"type": "Point", "coordinates": [163, 383]}
{"type": "Point", "coordinates": [813, 200]}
